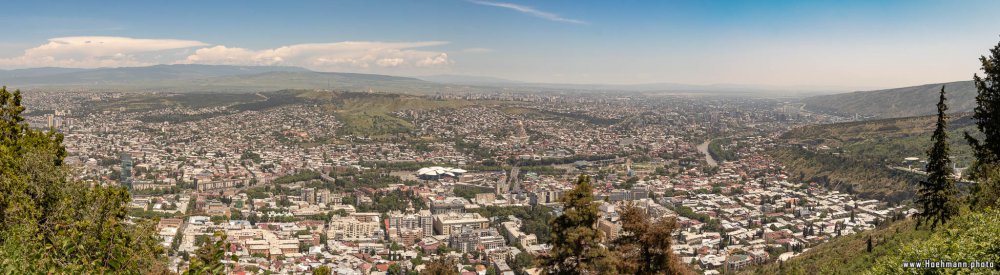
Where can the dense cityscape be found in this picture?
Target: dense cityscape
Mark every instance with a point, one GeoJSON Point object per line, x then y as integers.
{"type": "Point", "coordinates": [292, 192]}
{"type": "Point", "coordinates": [500, 137]}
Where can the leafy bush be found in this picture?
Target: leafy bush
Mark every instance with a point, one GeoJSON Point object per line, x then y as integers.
{"type": "Point", "coordinates": [49, 224]}
{"type": "Point", "coordinates": [968, 238]}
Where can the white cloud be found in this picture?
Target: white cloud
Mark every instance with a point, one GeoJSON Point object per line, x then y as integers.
{"type": "Point", "coordinates": [359, 56]}
{"type": "Point", "coordinates": [97, 51]}
{"type": "Point", "coordinates": [390, 62]}
{"type": "Point", "coordinates": [350, 55]}
{"type": "Point", "coordinates": [221, 55]}
{"type": "Point", "coordinates": [440, 59]}
{"type": "Point", "coordinates": [529, 11]}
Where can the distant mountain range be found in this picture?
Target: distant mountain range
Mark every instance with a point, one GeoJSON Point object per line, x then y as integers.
{"type": "Point", "coordinates": [731, 89]}
{"type": "Point", "coordinates": [212, 78]}
{"type": "Point", "coordinates": [468, 80]}
{"type": "Point", "coordinates": [57, 76]}
{"type": "Point", "coordinates": [226, 78]}
{"type": "Point", "coordinates": [898, 102]}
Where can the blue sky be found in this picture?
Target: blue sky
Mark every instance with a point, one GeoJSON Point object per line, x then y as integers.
{"type": "Point", "coordinates": [808, 44]}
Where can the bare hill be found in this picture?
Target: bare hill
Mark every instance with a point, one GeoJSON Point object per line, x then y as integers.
{"type": "Point", "coordinates": [898, 102]}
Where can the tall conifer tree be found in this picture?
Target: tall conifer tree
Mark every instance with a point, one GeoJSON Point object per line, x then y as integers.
{"type": "Point", "coordinates": [576, 247]}
{"type": "Point", "coordinates": [937, 192]}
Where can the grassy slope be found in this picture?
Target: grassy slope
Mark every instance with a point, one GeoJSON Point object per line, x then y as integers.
{"type": "Point", "coordinates": [968, 238]}
{"type": "Point", "coordinates": [888, 139]}
{"type": "Point", "coordinates": [371, 114]}
{"type": "Point", "coordinates": [972, 236]}
{"type": "Point", "coordinates": [848, 254]}
{"type": "Point", "coordinates": [361, 113]}
{"type": "Point", "coordinates": [870, 180]}
{"type": "Point", "coordinates": [144, 102]}
{"type": "Point", "coordinates": [860, 152]}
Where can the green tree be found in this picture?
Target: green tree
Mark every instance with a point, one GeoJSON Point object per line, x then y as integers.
{"type": "Point", "coordinates": [208, 257]}
{"type": "Point", "coordinates": [440, 266]}
{"type": "Point", "coordinates": [645, 246]}
{"type": "Point", "coordinates": [576, 247]}
{"type": "Point", "coordinates": [987, 116]}
{"type": "Point", "coordinates": [937, 193]}
{"type": "Point", "coordinates": [987, 111]}
{"type": "Point", "coordinates": [322, 270]}
{"type": "Point", "coordinates": [522, 261]}
{"type": "Point", "coordinates": [49, 224]}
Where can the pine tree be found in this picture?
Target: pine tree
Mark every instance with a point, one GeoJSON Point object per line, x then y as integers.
{"type": "Point", "coordinates": [987, 116]}
{"type": "Point", "coordinates": [576, 247]}
{"type": "Point", "coordinates": [937, 192]}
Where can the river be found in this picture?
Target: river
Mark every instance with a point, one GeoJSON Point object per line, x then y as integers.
{"type": "Point", "coordinates": [703, 147]}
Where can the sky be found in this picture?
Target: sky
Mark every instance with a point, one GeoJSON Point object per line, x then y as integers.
{"type": "Point", "coordinates": [796, 44]}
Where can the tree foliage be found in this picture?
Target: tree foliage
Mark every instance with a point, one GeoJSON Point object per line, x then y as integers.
{"type": "Point", "coordinates": [644, 247]}
{"type": "Point", "coordinates": [576, 247]}
{"type": "Point", "coordinates": [442, 266]}
{"type": "Point", "coordinates": [470, 191]}
{"type": "Point", "coordinates": [969, 238]}
{"type": "Point", "coordinates": [987, 111]}
{"type": "Point", "coordinates": [987, 117]}
{"type": "Point", "coordinates": [208, 257]}
{"type": "Point", "coordinates": [534, 219]}
{"type": "Point", "coordinates": [322, 270]}
{"type": "Point", "coordinates": [936, 195]}
{"type": "Point", "coordinates": [49, 224]}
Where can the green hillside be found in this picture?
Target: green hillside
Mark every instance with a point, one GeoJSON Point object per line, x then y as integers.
{"type": "Point", "coordinates": [371, 114]}
{"type": "Point", "coordinates": [886, 140]}
{"type": "Point", "coordinates": [898, 102]}
{"type": "Point", "coordinates": [858, 157]}
{"type": "Point", "coordinates": [972, 236]}
{"type": "Point", "coordinates": [848, 254]}
{"type": "Point", "coordinates": [868, 179]}
{"type": "Point", "coordinates": [365, 114]}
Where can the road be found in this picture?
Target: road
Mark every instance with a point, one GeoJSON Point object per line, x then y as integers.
{"type": "Point", "coordinates": [703, 147]}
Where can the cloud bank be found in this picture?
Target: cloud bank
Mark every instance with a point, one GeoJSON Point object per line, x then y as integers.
{"type": "Point", "coordinates": [103, 51]}
{"type": "Point", "coordinates": [96, 51]}
{"type": "Point", "coordinates": [328, 56]}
